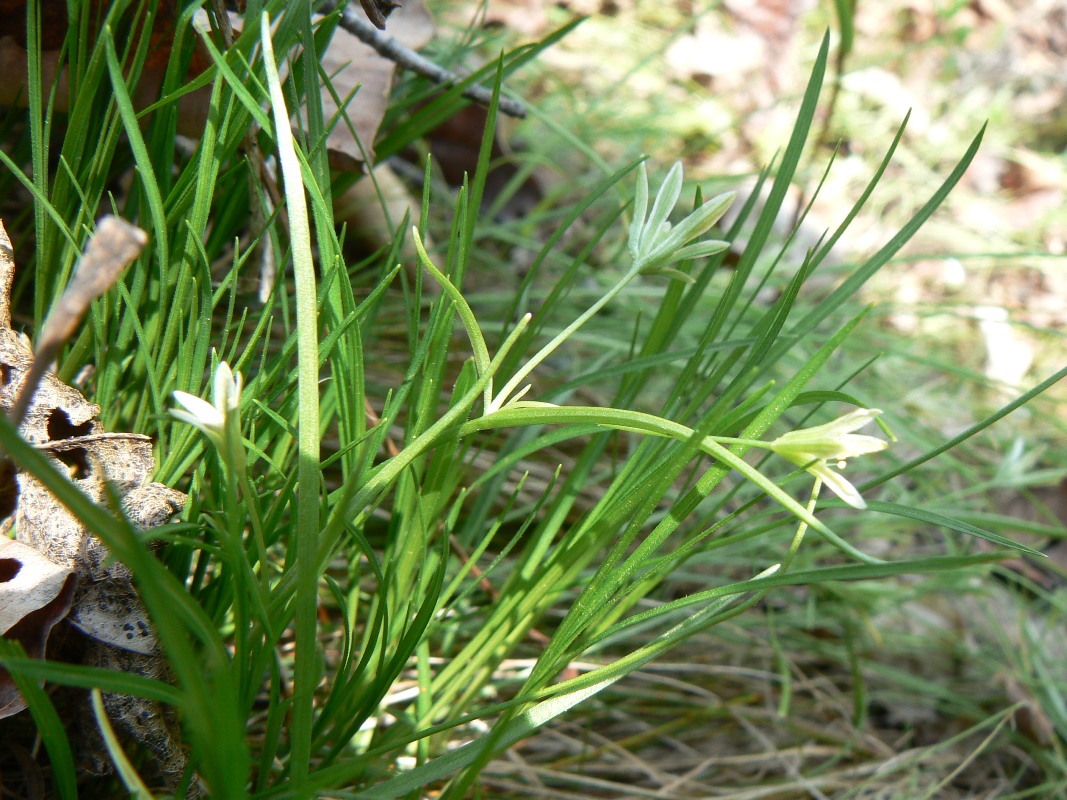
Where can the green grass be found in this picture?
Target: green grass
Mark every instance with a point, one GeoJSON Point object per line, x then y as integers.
{"type": "Point", "coordinates": [325, 567]}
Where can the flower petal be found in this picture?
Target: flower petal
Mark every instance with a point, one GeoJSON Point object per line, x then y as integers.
{"type": "Point", "coordinates": [855, 445]}
{"type": "Point", "coordinates": [696, 224]}
{"type": "Point", "coordinates": [238, 384]}
{"type": "Point", "coordinates": [637, 227]}
{"type": "Point", "coordinates": [798, 457]}
{"type": "Point", "coordinates": [708, 247]}
{"type": "Point", "coordinates": [202, 413]}
{"type": "Point", "coordinates": [838, 484]}
{"type": "Point", "coordinates": [666, 199]}
{"type": "Point", "coordinates": [852, 421]}
{"type": "Point", "coordinates": [832, 440]}
{"type": "Point", "coordinates": [215, 433]}
{"type": "Point", "coordinates": [185, 416]}
{"type": "Point", "coordinates": [227, 390]}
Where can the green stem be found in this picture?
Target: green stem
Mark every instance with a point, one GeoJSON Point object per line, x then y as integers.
{"type": "Point", "coordinates": [249, 492]}
{"type": "Point", "coordinates": [474, 332]}
{"type": "Point", "coordinates": [749, 442]}
{"type": "Point", "coordinates": [561, 337]}
{"type": "Point", "coordinates": [234, 554]}
{"type": "Point", "coordinates": [802, 527]}
{"type": "Point", "coordinates": [639, 422]}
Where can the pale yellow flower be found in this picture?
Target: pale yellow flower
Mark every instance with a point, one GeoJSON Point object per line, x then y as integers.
{"type": "Point", "coordinates": [822, 447]}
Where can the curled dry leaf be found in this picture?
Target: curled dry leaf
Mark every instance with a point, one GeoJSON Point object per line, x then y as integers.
{"type": "Point", "coordinates": [111, 249]}
{"type": "Point", "coordinates": [63, 424]}
{"type": "Point", "coordinates": [114, 246]}
{"type": "Point", "coordinates": [379, 10]}
{"type": "Point", "coordinates": [64, 427]}
{"type": "Point", "coordinates": [152, 724]}
{"type": "Point", "coordinates": [374, 207]}
{"type": "Point", "coordinates": [360, 80]}
{"type": "Point", "coordinates": [34, 595]}
{"type": "Point", "coordinates": [106, 605]}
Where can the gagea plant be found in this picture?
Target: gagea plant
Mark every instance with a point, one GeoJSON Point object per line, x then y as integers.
{"type": "Point", "coordinates": [401, 541]}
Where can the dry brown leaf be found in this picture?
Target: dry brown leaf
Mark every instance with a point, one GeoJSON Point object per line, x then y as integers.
{"type": "Point", "coordinates": [106, 605]}
{"type": "Point", "coordinates": [370, 207]}
{"type": "Point", "coordinates": [64, 427]}
{"type": "Point", "coordinates": [28, 582]}
{"type": "Point", "coordinates": [1030, 718]}
{"type": "Point", "coordinates": [193, 107]}
{"type": "Point", "coordinates": [379, 10]}
{"type": "Point", "coordinates": [455, 145]}
{"type": "Point", "coordinates": [34, 595]}
{"type": "Point", "coordinates": [152, 724]}
{"type": "Point", "coordinates": [360, 82]}
{"type": "Point", "coordinates": [112, 248]}
{"type": "Point", "coordinates": [528, 17]}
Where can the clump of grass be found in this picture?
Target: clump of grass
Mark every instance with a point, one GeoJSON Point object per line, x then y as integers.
{"type": "Point", "coordinates": [309, 588]}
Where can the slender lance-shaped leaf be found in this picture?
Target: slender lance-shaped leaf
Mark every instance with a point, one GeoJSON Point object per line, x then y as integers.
{"type": "Point", "coordinates": [307, 498]}
{"type": "Point", "coordinates": [853, 283]}
{"type": "Point", "coordinates": [1018, 402]}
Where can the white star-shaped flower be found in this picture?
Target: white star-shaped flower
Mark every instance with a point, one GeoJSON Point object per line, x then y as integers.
{"type": "Point", "coordinates": [211, 418]}
{"type": "Point", "coordinates": [817, 448]}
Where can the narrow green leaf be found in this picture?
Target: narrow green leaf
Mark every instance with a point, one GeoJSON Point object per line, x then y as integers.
{"type": "Point", "coordinates": [306, 532]}
{"type": "Point", "coordinates": [944, 521]}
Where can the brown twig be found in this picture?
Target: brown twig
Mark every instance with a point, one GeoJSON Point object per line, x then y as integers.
{"type": "Point", "coordinates": [388, 47]}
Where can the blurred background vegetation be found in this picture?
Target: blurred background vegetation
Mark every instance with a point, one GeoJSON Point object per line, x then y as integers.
{"type": "Point", "coordinates": [939, 686]}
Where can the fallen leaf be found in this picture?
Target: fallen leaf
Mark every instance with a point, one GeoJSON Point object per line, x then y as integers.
{"type": "Point", "coordinates": [379, 10]}
{"type": "Point", "coordinates": [112, 248]}
{"type": "Point", "coordinates": [1031, 719]}
{"type": "Point", "coordinates": [105, 606]}
{"type": "Point", "coordinates": [374, 207]}
{"type": "Point", "coordinates": [35, 594]}
{"type": "Point", "coordinates": [456, 144]}
{"type": "Point", "coordinates": [152, 724]}
{"type": "Point", "coordinates": [193, 107]}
